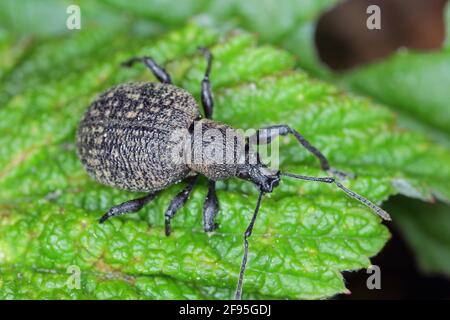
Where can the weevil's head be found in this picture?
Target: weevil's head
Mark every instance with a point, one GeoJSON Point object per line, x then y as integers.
{"type": "Point", "coordinates": [251, 168]}
{"type": "Point", "coordinates": [262, 176]}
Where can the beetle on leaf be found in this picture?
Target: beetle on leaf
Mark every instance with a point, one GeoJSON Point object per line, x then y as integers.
{"type": "Point", "coordinates": [124, 141]}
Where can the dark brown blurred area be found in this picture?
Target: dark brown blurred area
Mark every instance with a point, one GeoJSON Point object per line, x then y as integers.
{"type": "Point", "coordinates": [343, 40]}
{"type": "Point", "coordinates": [401, 277]}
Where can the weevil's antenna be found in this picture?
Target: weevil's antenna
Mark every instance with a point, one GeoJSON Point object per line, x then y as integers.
{"type": "Point", "coordinates": [380, 212]}
{"type": "Point", "coordinates": [247, 234]}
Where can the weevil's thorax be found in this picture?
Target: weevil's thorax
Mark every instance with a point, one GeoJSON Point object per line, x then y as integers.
{"type": "Point", "coordinates": [215, 150]}
{"type": "Point", "coordinates": [219, 152]}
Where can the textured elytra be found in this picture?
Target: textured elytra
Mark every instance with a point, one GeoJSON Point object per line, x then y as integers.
{"type": "Point", "coordinates": [125, 137]}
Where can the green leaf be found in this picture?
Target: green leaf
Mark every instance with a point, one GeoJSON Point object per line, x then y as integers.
{"type": "Point", "coordinates": [416, 84]}
{"type": "Point", "coordinates": [306, 233]}
{"type": "Point", "coordinates": [413, 83]}
{"type": "Point", "coordinates": [410, 82]}
{"type": "Point", "coordinates": [32, 283]}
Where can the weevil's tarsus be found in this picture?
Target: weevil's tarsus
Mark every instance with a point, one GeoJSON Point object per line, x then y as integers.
{"type": "Point", "coordinates": [155, 68]}
{"type": "Point", "coordinates": [247, 234]}
{"type": "Point", "coordinates": [209, 58]}
{"type": "Point", "coordinates": [177, 202]}
{"type": "Point", "coordinates": [128, 206]}
{"type": "Point", "coordinates": [206, 95]}
{"type": "Point", "coordinates": [376, 209]}
{"type": "Point", "coordinates": [210, 208]}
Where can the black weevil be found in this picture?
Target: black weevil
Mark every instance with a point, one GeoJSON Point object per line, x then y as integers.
{"type": "Point", "coordinates": [124, 140]}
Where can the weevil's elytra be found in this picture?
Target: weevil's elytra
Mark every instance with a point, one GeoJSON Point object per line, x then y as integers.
{"type": "Point", "coordinates": [125, 140]}
{"type": "Point", "coordinates": [127, 124]}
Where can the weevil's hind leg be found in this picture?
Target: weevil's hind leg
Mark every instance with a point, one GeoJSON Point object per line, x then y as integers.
{"type": "Point", "coordinates": [210, 208]}
{"type": "Point", "coordinates": [156, 69]}
{"type": "Point", "coordinates": [128, 206]}
{"type": "Point", "coordinates": [266, 135]}
{"type": "Point", "coordinates": [206, 95]}
{"type": "Point", "coordinates": [177, 202]}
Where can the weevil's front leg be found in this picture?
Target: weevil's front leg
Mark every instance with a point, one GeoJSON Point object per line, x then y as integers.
{"type": "Point", "coordinates": [207, 99]}
{"type": "Point", "coordinates": [156, 69]}
{"type": "Point", "coordinates": [177, 202]}
{"type": "Point", "coordinates": [266, 135]}
{"type": "Point", "coordinates": [128, 206]}
{"type": "Point", "coordinates": [210, 208]}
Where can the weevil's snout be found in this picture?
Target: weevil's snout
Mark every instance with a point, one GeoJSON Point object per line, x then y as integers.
{"type": "Point", "coordinates": [271, 179]}
{"type": "Point", "coordinates": [265, 178]}
{"type": "Point", "coordinates": [269, 184]}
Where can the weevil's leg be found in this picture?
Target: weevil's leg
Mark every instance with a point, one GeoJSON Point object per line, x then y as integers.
{"type": "Point", "coordinates": [207, 99]}
{"type": "Point", "coordinates": [177, 202]}
{"type": "Point", "coordinates": [156, 69]}
{"type": "Point", "coordinates": [211, 205]}
{"type": "Point", "coordinates": [266, 135]}
{"type": "Point", "coordinates": [210, 208]}
{"type": "Point", "coordinates": [128, 206]}
{"type": "Point", "coordinates": [247, 234]}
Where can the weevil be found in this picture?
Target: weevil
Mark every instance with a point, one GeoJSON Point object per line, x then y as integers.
{"type": "Point", "coordinates": [123, 141]}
